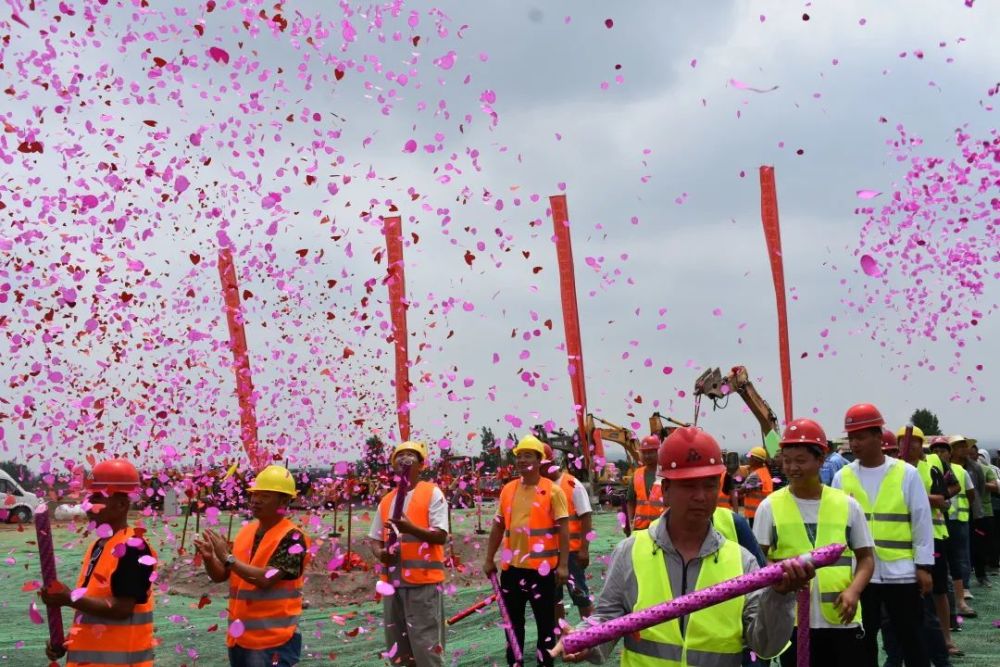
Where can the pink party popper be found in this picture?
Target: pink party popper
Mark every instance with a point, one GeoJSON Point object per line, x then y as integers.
{"type": "Point", "coordinates": [595, 635]}
{"type": "Point", "coordinates": [46, 555]}
{"type": "Point", "coordinates": [802, 638]}
{"type": "Point", "coordinates": [507, 625]}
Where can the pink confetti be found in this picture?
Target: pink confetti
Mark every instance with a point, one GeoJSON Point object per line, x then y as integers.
{"type": "Point", "coordinates": [34, 614]}
{"type": "Point", "coordinates": [237, 628]}
{"type": "Point", "coordinates": [870, 266]}
{"type": "Point", "coordinates": [218, 55]}
{"type": "Point", "coordinates": [384, 588]}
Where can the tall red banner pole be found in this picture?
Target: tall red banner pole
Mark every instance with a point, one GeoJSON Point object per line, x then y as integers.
{"type": "Point", "coordinates": [571, 316]}
{"type": "Point", "coordinates": [772, 234]}
{"type": "Point", "coordinates": [241, 358]}
{"type": "Point", "coordinates": [392, 228]}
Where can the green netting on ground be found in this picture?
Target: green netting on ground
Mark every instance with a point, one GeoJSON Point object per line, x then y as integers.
{"type": "Point", "coordinates": [328, 636]}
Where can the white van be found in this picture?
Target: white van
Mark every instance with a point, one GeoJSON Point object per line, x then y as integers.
{"type": "Point", "coordinates": [22, 508]}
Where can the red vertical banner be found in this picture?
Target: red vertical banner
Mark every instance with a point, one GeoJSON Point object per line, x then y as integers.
{"type": "Point", "coordinates": [241, 357]}
{"type": "Point", "coordinates": [392, 228]}
{"type": "Point", "coordinates": [772, 234]}
{"type": "Point", "coordinates": [571, 316]}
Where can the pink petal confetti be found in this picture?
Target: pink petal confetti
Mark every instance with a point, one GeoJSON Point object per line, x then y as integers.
{"type": "Point", "coordinates": [104, 531]}
{"type": "Point", "coordinates": [868, 194]}
{"type": "Point", "coordinates": [237, 628]}
{"type": "Point", "coordinates": [77, 593]}
{"type": "Point", "coordinates": [147, 560]}
{"type": "Point", "coordinates": [384, 588]}
{"type": "Point", "coordinates": [218, 55]}
{"type": "Point", "coordinates": [34, 614]}
{"type": "Point", "coordinates": [870, 266]}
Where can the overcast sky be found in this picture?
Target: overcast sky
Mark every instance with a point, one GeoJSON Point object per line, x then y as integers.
{"type": "Point", "coordinates": [660, 171]}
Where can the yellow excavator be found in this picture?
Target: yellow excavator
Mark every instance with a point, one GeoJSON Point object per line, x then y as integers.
{"type": "Point", "coordinates": [718, 387]}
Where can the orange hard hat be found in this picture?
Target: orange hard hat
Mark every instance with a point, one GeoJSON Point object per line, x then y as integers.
{"type": "Point", "coordinates": [862, 416]}
{"type": "Point", "coordinates": [804, 432]}
{"type": "Point", "coordinates": [114, 476]}
{"type": "Point", "coordinates": [888, 440]}
{"type": "Point", "coordinates": [650, 443]}
{"type": "Point", "coordinates": [690, 452]}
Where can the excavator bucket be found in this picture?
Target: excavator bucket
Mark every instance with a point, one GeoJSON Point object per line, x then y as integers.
{"type": "Point", "coordinates": [710, 384]}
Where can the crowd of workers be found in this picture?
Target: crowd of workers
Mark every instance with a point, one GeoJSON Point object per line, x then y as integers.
{"type": "Point", "coordinates": [913, 512]}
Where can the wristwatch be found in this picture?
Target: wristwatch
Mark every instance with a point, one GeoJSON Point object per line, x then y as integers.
{"type": "Point", "coordinates": [230, 560]}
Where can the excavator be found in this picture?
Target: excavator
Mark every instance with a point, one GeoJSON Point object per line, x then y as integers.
{"type": "Point", "coordinates": [717, 387]}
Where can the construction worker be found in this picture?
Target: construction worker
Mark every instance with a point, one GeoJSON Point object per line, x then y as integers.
{"type": "Point", "coordinates": [681, 552]}
{"type": "Point", "coordinates": [758, 484]}
{"type": "Point", "coordinates": [890, 446]}
{"type": "Point", "coordinates": [806, 515]}
{"type": "Point", "coordinates": [266, 569]}
{"type": "Point", "coordinates": [580, 525]}
{"type": "Point", "coordinates": [959, 518]}
{"type": "Point", "coordinates": [113, 619]}
{"type": "Point", "coordinates": [532, 524]}
{"type": "Point", "coordinates": [899, 517]}
{"type": "Point", "coordinates": [413, 612]}
{"type": "Point", "coordinates": [644, 498]}
{"type": "Point", "coordinates": [937, 629]}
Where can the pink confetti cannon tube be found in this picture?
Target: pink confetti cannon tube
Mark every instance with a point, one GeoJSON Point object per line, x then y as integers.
{"type": "Point", "coordinates": [802, 638]}
{"type": "Point", "coordinates": [402, 488]}
{"type": "Point", "coordinates": [508, 627]}
{"type": "Point", "coordinates": [46, 554]}
{"type": "Point", "coordinates": [586, 638]}
{"type": "Point", "coordinates": [472, 609]}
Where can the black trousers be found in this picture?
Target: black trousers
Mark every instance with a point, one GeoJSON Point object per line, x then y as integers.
{"type": "Point", "coordinates": [981, 537]}
{"type": "Point", "coordinates": [520, 586]}
{"type": "Point", "coordinates": [830, 647]}
{"type": "Point", "coordinates": [933, 637]}
{"type": "Point", "coordinates": [905, 610]}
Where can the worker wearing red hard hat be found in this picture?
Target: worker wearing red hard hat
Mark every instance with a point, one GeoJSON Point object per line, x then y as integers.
{"type": "Point", "coordinates": [806, 515]}
{"type": "Point", "coordinates": [113, 623]}
{"type": "Point", "coordinates": [644, 499]}
{"type": "Point", "coordinates": [899, 517]}
{"type": "Point", "coordinates": [681, 552]}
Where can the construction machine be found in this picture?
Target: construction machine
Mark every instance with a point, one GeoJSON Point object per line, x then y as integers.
{"type": "Point", "coordinates": [717, 387]}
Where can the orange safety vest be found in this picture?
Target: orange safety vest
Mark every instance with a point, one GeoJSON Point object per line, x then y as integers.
{"type": "Point", "coordinates": [648, 506]}
{"type": "Point", "coordinates": [542, 529]}
{"type": "Point", "coordinates": [724, 501]}
{"type": "Point", "coordinates": [421, 563]}
{"type": "Point", "coordinates": [756, 496]}
{"type": "Point", "coordinates": [105, 642]}
{"type": "Point", "coordinates": [270, 616]}
{"type": "Point", "coordinates": [567, 483]}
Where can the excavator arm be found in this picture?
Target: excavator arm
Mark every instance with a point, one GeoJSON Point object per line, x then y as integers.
{"type": "Point", "coordinates": [715, 386]}
{"type": "Point", "coordinates": [657, 428]}
{"type": "Point", "coordinates": [615, 433]}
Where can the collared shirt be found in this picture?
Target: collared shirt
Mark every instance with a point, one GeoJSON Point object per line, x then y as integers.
{"type": "Point", "coordinates": [831, 465]}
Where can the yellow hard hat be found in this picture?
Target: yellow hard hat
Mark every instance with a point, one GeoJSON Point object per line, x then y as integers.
{"type": "Point", "coordinates": [955, 439]}
{"type": "Point", "coordinates": [917, 433]}
{"type": "Point", "coordinates": [274, 478]}
{"type": "Point", "coordinates": [758, 453]}
{"type": "Point", "coordinates": [530, 443]}
{"type": "Point", "coordinates": [410, 446]}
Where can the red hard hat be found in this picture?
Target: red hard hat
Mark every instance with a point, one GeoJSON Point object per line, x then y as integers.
{"type": "Point", "coordinates": [889, 440]}
{"type": "Point", "coordinates": [862, 416]}
{"type": "Point", "coordinates": [804, 432]}
{"type": "Point", "coordinates": [688, 453]}
{"type": "Point", "coordinates": [650, 443]}
{"type": "Point", "coordinates": [114, 476]}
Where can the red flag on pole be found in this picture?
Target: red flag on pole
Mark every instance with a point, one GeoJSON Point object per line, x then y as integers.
{"type": "Point", "coordinates": [392, 228]}
{"type": "Point", "coordinates": [241, 358]}
{"type": "Point", "coordinates": [571, 316]}
{"type": "Point", "coordinates": [772, 233]}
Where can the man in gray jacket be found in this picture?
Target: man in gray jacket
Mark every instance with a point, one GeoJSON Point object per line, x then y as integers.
{"type": "Point", "coordinates": [682, 552]}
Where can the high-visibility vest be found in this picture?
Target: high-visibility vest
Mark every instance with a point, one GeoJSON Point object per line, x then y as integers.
{"type": "Point", "coordinates": [94, 641]}
{"type": "Point", "coordinates": [713, 636]}
{"type": "Point", "coordinates": [648, 502]}
{"type": "Point", "coordinates": [937, 515]}
{"type": "Point", "coordinates": [725, 523]}
{"type": "Point", "coordinates": [567, 483]}
{"type": "Point", "coordinates": [831, 528]}
{"type": "Point", "coordinates": [542, 529]}
{"type": "Point", "coordinates": [888, 517]}
{"type": "Point", "coordinates": [419, 562]}
{"type": "Point", "coordinates": [959, 510]}
{"type": "Point", "coordinates": [724, 499]}
{"type": "Point", "coordinates": [270, 616]}
{"type": "Point", "coordinates": [754, 497]}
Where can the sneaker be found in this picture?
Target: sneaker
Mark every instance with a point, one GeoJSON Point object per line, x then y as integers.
{"type": "Point", "coordinates": [969, 595]}
{"type": "Point", "coordinates": [967, 612]}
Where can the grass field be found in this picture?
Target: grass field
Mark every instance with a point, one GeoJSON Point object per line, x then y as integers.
{"type": "Point", "coordinates": [349, 636]}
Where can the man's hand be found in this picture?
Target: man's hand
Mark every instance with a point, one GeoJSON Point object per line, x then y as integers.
{"type": "Point", "coordinates": [53, 652]}
{"type": "Point", "coordinates": [924, 582]}
{"type": "Point", "coordinates": [205, 549]}
{"type": "Point", "coordinates": [558, 650]}
{"type": "Point", "coordinates": [562, 574]}
{"type": "Point", "coordinates": [847, 605]}
{"type": "Point", "coordinates": [797, 575]}
{"type": "Point", "coordinates": [403, 525]}
{"type": "Point", "coordinates": [583, 557]}
{"type": "Point", "coordinates": [55, 595]}
{"type": "Point", "coordinates": [218, 542]}
{"type": "Point", "coordinates": [489, 567]}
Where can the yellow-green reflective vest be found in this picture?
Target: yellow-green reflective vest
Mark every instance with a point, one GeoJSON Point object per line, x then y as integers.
{"type": "Point", "coordinates": [888, 517]}
{"type": "Point", "coordinates": [713, 637]}
{"type": "Point", "coordinates": [831, 528]}
{"type": "Point", "coordinates": [924, 468]}
{"type": "Point", "coordinates": [959, 510]}
{"type": "Point", "coordinates": [724, 522]}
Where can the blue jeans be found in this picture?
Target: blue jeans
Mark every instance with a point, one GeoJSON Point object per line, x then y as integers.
{"type": "Point", "coordinates": [286, 655]}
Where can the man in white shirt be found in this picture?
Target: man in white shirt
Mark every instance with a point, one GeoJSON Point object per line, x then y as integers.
{"type": "Point", "coordinates": [893, 496]}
